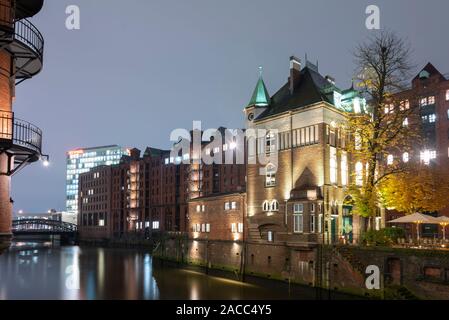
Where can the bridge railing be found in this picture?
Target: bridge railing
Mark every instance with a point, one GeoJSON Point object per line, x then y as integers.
{"type": "Point", "coordinates": [43, 225]}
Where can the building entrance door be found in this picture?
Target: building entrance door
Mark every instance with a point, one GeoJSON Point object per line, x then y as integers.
{"type": "Point", "coordinates": [347, 224]}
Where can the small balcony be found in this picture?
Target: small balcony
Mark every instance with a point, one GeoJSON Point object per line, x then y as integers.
{"type": "Point", "coordinates": [22, 40]}
{"type": "Point", "coordinates": [20, 140]}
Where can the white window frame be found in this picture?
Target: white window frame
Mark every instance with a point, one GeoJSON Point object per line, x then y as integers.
{"type": "Point", "coordinates": [266, 206]}
{"type": "Point", "coordinates": [312, 223]}
{"type": "Point", "coordinates": [274, 206]}
{"type": "Point", "coordinates": [298, 223]}
{"type": "Point", "coordinates": [270, 175]}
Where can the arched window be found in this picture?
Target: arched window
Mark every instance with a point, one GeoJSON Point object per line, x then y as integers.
{"type": "Point", "coordinates": [270, 143]}
{"type": "Point", "coordinates": [274, 205]}
{"type": "Point", "coordinates": [266, 206]}
{"type": "Point", "coordinates": [390, 159]}
{"type": "Point", "coordinates": [270, 175]}
{"type": "Point", "coordinates": [405, 157]}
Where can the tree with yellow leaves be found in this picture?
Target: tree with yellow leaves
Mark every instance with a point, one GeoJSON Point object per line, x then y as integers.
{"type": "Point", "coordinates": [383, 69]}
{"type": "Point", "coordinates": [421, 188]}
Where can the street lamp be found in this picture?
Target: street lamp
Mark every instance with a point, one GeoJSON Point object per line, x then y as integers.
{"type": "Point", "coordinates": [45, 160]}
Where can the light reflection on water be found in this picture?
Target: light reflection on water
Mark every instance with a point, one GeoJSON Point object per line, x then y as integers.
{"type": "Point", "coordinates": [40, 271]}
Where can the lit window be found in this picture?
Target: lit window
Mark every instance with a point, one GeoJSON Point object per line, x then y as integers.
{"type": "Point", "coordinates": [167, 160]}
{"type": "Point", "coordinates": [225, 147]}
{"type": "Point", "coordinates": [431, 100]}
{"type": "Point", "coordinates": [233, 228]}
{"type": "Point", "coordinates": [298, 223]}
{"type": "Point", "coordinates": [333, 165]}
{"type": "Point", "coordinates": [227, 206]}
{"type": "Point", "coordinates": [203, 208]}
{"type": "Point", "coordinates": [405, 105]}
{"type": "Point", "coordinates": [270, 236]}
{"type": "Point", "coordinates": [428, 155]}
{"type": "Point", "coordinates": [423, 102]}
{"type": "Point", "coordinates": [216, 149]}
{"type": "Point", "coordinates": [390, 159]}
{"type": "Point", "coordinates": [432, 118]}
{"type": "Point", "coordinates": [233, 205]}
{"type": "Point", "coordinates": [203, 227]}
{"type": "Point", "coordinates": [101, 223]}
{"type": "Point", "coordinates": [198, 208]}
{"type": "Point", "coordinates": [270, 176]}
{"type": "Point", "coordinates": [389, 108]}
{"type": "Point", "coordinates": [447, 95]}
{"type": "Point", "coordinates": [155, 225]}
{"type": "Point", "coordinates": [186, 156]}
{"type": "Point", "coordinates": [320, 223]}
{"type": "Point", "coordinates": [240, 228]}
{"type": "Point", "coordinates": [344, 169]}
{"type": "Point", "coordinates": [405, 157]}
{"type": "Point", "coordinates": [274, 205]}
{"type": "Point", "coordinates": [359, 174]}
{"type": "Point", "coordinates": [270, 143]}
{"type": "Point", "coordinates": [405, 122]}
{"type": "Point", "coordinates": [207, 227]}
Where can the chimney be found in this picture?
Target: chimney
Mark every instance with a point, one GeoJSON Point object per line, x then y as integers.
{"type": "Point", "coordinates": [295, 72]}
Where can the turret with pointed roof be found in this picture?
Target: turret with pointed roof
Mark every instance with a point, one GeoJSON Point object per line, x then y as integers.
{"type": "Point", "coordinates": [260, 97]}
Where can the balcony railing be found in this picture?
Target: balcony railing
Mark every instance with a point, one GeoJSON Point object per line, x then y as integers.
{"type": "Point", "coordinates": [19, 133]}
{"type": "Point", "coordinates": [28, 34]}
{"type": "Point", "coordinates": [21, 31]}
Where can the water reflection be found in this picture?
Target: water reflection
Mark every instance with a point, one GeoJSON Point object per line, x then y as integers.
{"type": "Point", "coordinates": [41, 271]}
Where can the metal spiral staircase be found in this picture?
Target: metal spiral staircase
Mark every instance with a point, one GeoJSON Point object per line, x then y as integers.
{"type": "Point", "coordinates": [19, 139]}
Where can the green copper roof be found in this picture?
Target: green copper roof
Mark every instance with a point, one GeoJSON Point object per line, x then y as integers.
{"type": "Point", "coordinates": [260, 97]}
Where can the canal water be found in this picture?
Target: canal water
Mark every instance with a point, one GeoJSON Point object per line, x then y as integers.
{"type": "Point", "coordinates": [44, 271]}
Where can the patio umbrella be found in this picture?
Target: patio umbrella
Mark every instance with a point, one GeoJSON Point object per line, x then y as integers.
{"type": "Point", "coordinates": [417, 218]}
{"type": "Point", "coordinates": [444, 222]}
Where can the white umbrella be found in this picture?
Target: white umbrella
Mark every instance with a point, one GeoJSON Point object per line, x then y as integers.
{"type": "Point", "coordinates": [417, 218]}
{"type": "Point", "coordinates": [444, 222]}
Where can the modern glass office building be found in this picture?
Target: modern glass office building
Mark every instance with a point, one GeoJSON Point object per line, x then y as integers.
{"type": "Point", "coordinates": [82, 160]}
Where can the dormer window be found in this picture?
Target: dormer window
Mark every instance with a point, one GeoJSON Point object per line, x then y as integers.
{"type": "Point", "coordinates": [424, 75]}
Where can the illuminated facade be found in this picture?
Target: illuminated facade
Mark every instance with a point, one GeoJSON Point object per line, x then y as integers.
{"type": "Point", "coordinates": [83, 160]}
{"type": "Point", "coordinates": [301, 197]}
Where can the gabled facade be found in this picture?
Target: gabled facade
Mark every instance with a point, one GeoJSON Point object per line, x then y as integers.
{"type": "Point", "coordinates": [301, 198]}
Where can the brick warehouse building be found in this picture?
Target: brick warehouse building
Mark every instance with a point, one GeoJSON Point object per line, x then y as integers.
{"type": "Point", "coordinates": [429, 91]}
{"type": "Point", "coordinates": [151, 192]}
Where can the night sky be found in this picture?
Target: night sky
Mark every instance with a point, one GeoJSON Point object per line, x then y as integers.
{"type": "Point", "coordinates": [138, 69]}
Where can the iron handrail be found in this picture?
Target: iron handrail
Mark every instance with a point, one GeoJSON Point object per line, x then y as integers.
{"type": "Point", "coordinates": [20, 132]}
{"type": "Point", "coordinates": [28, 34]}
{"type": "Point", "coordinates": [22, 30]}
